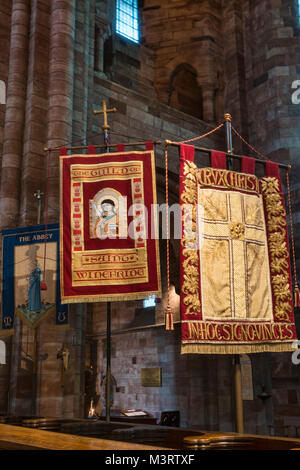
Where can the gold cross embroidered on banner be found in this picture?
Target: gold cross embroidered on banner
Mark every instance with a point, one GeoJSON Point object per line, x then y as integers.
{"type": "Point", "coordinates": [234, 263]}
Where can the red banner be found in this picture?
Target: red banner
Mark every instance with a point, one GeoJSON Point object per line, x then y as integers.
{"type": "Point", "coordinates": [109, 242]}
{"type": "Point", "coordinates": [236, 286]}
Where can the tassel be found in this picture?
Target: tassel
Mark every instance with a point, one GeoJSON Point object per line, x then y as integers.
{"type": "Point", "coordinates": [297, 296]}
{"type": "Point", "coordinates": [296, 288]}
{"type": "Point", "coordinates": [169, 313]}
{"type": "Point", "coordinates": [169, 319]}
{"type": "Point", "coordinates": [44, 286]}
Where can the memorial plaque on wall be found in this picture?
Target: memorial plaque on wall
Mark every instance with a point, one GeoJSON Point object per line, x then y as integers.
{"type": "Point", "coordinates": [151, 377]}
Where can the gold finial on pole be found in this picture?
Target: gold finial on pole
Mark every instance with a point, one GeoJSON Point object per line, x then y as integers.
{"type": "Point", "coordinates": [227, 118]}
{"type": "Point", "coordinates": [38, 195]}
{"type": "Point", "coordinates": [104, 111]}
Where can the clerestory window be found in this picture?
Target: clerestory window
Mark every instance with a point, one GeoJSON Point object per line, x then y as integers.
{"type": "Point", "coordinates": [127, 24]}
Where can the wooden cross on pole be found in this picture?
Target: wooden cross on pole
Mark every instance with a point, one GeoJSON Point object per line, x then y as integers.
{"type": "Point", "coordinates": [104, 111]}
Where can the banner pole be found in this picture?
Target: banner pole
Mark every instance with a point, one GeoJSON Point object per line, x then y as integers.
{"type": "Point", "coordinates": [238, 393]}
{"type": "Point", "coordinates": [227, 118]}
{"type": "Point", "coordinates": [232, 155]}
{"type": "Point", "coordinates": [38, 194]}
{"type": "Point", "coordinates": [105, 129]}
{"type": "Point", "coordinates": [108, 312]}
{"type": "Point", "coordinates": [108, 360]}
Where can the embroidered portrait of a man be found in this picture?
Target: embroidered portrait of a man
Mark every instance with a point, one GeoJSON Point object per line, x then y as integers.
{"type": "Point", "coordinates": [108, 215]}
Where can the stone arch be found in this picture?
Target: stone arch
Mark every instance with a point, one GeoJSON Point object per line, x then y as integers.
{"type": "Point", "coordinates": [103, 46]}
{"type": "Point", "coordinates": [185, 93]}
{"type": "Point", "coordinates": [2, 92]}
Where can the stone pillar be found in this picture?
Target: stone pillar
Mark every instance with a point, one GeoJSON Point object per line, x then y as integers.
{"type": "Point", "coordinates": [35, 129]}
{"type": "Point", "coordinates": [103, 31]}
{"type": "Point", "coordinates": [5, 13]}
{"type": "Point", "coordinates": [234, 52]}
{"type": "Point", "coordinates": [208, 97]}
{"type": "Point", "coordinates": [14, 116]}
{"type": "Point", "coordinates": [61, 78]}
{"type": "Point", "coordinates": [82, 64]}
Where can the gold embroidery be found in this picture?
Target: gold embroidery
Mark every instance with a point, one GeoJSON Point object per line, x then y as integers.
{"type": "Point", "coordinates": [279, 254]}
{"type": "Point", "coordinates": [270, 185]}
{"type": "Point", "coordinates": [237, 231]}
{"type": "Point", "coordinates": [227, 179]}
{"type": "Point", "coordinates": [190, 287]}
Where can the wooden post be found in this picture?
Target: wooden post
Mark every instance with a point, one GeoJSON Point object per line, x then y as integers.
{"type": "Point", "coordinates": [238, 395]}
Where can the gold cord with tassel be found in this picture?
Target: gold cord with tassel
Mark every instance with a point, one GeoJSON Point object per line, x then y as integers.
{"type": "Point", "coordinates": [296, 288]}
{"type": "Point", "coordinates": [168, 313]}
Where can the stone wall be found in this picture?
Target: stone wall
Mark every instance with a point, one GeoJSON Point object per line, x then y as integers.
{"type": "Point", "coordinates": [271, 38]}
{"type": "Point", "coordinates": [60, 60]}
{"type": "Point", "coordinates": [53, 88]}
{"type": "Point", "coordinates": [189, 383]}
{"type": "Point", "coordinates": [188, 33]}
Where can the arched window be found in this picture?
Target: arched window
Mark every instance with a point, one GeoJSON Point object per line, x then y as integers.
{"type": "Point", "coordinates": [184, 93]}
{"type": "Point", "coordinates": [127, 24]}
{"type": "Point", "coordinates": [2, 92]}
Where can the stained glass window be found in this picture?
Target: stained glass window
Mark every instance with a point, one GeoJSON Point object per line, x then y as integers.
{"type": "Point", "coordinates": [127, 19]}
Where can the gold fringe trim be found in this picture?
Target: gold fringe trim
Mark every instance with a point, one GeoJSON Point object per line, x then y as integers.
{"type": "Point", "coordinates": [109, 298]}
{"type": "Point", "coordinates": [236, 348]}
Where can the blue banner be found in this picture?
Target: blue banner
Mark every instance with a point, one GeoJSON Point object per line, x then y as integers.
{"type": "Point", "coordinates": [31, 275]}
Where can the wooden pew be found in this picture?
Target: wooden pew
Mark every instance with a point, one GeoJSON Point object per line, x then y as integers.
{"type": "Point", "coordinates": [68, 434]}
{"type": "Point", "coordinates": [21, 438]}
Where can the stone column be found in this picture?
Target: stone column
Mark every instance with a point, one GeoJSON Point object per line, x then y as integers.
{"type": "Point", "coordinates": [103, 31]}
{"type": "Point", "coordinates": [35, 129]}
{"type": "Point", "coordinates": [234, 53]}
{"type": "Point", "coordinates": [14, 116]}
{"type": "Point", "coordinates": [5, 13]}
{"type": "Point", "coordinates": [61, 78]}
{"type": "Point", "coordinates": [82, 63]}
{"type": "Point", "coordinates": [208, 97]}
